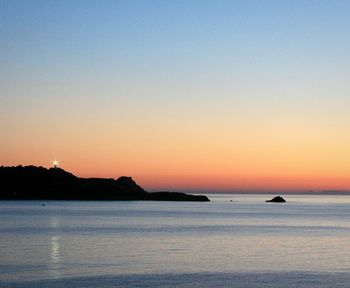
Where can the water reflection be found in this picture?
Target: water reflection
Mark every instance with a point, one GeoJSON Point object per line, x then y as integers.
{"type": "Point", "coordinates": [55, 250]}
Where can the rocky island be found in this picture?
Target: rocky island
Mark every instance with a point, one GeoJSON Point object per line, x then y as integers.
{"type": "Point", "coordinates": [277, 199]}
{"type": "Point", "coordinates": [39, 183]}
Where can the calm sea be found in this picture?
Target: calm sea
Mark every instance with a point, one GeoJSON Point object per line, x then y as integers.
{"type": "Point", "coordinates": [232, 241]}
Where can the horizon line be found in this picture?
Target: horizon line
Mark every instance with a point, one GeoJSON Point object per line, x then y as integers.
{"type": "Point", "coordinates": [232, 190]}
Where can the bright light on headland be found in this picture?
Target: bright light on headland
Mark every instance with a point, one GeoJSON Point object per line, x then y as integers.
{"type": "Point", "coordinates": [55, 164]}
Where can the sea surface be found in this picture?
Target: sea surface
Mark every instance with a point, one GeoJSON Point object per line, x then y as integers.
{"type": "Point", "coordinates": [232, 241]}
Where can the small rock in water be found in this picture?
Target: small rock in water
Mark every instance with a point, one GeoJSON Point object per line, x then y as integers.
{"type": "Point", "coordinates": [277, 199]}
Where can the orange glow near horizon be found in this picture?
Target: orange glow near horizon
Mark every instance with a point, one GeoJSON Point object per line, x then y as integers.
{"type": "Point", "coordinates": [277, 160]}
{"type": "Point", "coordinates": [200, 158]}
{"type": "Point", "coordinates": [180, 96]}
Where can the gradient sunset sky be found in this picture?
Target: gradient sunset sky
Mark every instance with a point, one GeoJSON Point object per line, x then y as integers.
{"type": "Point", "coordinates": [180, 95]}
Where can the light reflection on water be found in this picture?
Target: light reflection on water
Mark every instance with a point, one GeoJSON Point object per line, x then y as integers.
{"type": "Point", "coordinates": [54, 266]}
{"type": "Point", "coordinates": [71, 239]}
{"type": "Point", "coordinates": [55, 261]}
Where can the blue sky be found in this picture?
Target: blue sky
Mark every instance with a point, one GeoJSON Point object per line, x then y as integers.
{"type": "Point", "coordinates": [188, 72]}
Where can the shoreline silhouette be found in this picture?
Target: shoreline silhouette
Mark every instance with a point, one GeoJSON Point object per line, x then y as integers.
{"type": "Point", "coordinates": [39, 183]}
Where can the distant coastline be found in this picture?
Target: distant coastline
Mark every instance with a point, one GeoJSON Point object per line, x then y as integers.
{"type": "Point", "coordinates": [325, 192]}
{"type": "Point", "coordinates": [39, 183]}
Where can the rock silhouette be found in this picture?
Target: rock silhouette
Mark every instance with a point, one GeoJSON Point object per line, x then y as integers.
{"type": "Point", "coordinates": [31, 182]}
{"type": "Point", "coordinates": [277, 199]}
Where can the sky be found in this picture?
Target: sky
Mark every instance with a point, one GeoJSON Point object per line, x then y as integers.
{"type": "Point", "coordinates": [181, 95]}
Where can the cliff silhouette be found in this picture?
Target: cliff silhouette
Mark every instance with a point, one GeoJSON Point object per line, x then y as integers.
{"type": "Point", "coordinates": [39, 183]}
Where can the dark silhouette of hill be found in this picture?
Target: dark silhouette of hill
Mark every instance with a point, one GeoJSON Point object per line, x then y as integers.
{"type": "Point", "coordinates": [31, 182]}
{"type": "Point", "coordinates": [277, 199]}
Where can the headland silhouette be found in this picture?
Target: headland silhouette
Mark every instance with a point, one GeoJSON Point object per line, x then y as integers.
{"type": "Point", "coordinates": [39, 183]}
